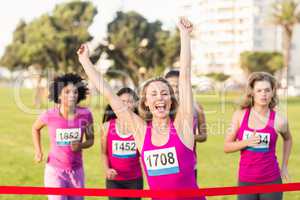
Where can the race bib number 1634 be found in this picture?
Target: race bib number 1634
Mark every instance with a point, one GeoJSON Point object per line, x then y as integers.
{"type": "Point", "coordinates": [264, 143]}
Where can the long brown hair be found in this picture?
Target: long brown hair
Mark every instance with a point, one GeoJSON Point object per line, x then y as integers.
{"type": "Point", "coordinates": [144, 110]}
{"type": "Point", "coordinates": [248, 100]}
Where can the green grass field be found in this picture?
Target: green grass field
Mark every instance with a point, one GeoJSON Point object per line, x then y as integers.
{"type": "Point", "coordinates": [215, 168]}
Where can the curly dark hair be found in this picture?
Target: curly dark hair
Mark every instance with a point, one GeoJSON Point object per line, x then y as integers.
{"type": "Point", "coordinates": [108, 111]}
{"type": "Point", "coordinates": [62, 81]}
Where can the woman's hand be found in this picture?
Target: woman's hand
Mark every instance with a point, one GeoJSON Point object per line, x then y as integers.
{"type": "Point", "coordinates": [38, 157]}
{"type": "Point", "coordinates": [76, 146]}
{"type": "Point", "coordinates": [111, 174]}
{"type": "Point", "coordinates": [285, 174]}
{"type": "Point", "coordinates": [83, 53]}
{"type": "Point", "coordinates": [184, 25]}
{"type": "Point", "coordinates": [253, 141]}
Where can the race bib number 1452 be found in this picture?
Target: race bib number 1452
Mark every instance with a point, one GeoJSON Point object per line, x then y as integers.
{"type": "Point", "coordinates": [161, 161]}
{"type": "Point", "coordinates": [123, 149]}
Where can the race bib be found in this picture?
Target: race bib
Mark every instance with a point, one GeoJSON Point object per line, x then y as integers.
{"type": "Point", "coordinates": [66, 136]}
{"type": "Point", "coordinates": [161, 162]}
{"type": "Point", "coordinates": [123, 149]}
{"type": "Point", "coordinates": [264, 142]}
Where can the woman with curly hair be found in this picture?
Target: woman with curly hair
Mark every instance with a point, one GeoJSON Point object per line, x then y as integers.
{"type": "Point", "coordinates": [67, 124]}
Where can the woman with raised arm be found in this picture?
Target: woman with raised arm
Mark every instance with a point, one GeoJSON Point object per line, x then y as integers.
{"type": "Point", "coordinates": [164, 133]}
{"type": "Point", "coordinates": [254, 131]}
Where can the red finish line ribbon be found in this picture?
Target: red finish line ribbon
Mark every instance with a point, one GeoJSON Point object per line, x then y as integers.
{"type": "Point", "coordinates": [219, 191]}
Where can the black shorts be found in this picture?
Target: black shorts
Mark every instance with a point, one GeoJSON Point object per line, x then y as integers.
{"type": "Point", "coordinates": [263, 196]}
{"type": "Point", "coordinates": [127, 184]}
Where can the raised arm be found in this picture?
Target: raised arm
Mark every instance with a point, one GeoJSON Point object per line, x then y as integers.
{"type": "Point", "coordinates": [135, 124]}
{"type": "Point", "coordinates": [184, 117]}
{"type": "Point", "coordinates": [102, 86]}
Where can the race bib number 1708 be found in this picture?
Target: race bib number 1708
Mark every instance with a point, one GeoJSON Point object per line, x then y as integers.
{"type": "Point", "coordinates": [161, 161]}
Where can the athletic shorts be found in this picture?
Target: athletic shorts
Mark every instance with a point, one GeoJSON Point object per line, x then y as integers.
{"type": "Point", "coordinates": [126, 184]}
{"type": "Point", "coordinates": [60, 178]}
{"type": "Point", "coordinates": [263, 196]}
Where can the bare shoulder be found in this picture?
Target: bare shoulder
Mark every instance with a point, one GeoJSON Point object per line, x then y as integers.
{"type": "Point", "coordinates": [281, 122]}
{"type": "Point", "coordinates": [239, 113]}
{"type": "Point", "coordinates": [238, 116]}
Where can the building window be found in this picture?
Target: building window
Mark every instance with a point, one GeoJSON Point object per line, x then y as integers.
{"type": "Point", "coordinates": [257, 43]}
{"type": "Point", "coordinates": [258, 32]}
{"type": "Point", "coordinates": [229, 21]}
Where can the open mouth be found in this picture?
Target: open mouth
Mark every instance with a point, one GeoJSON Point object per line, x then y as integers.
{"type": "Point", "coordinates": [160, 107]}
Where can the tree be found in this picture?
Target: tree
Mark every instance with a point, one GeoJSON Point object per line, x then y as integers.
{"type": "Point", "coordinates": [261, 61]}
{"type": "Point", "coordinates": [73, 20]}
{"type": "Point", "coordinates": [136, 45]}
{"type": "Point", "coordinates": [51, 41]}
{"type": "Point", "coordinates": [12, 56]}
{"type": "Point", "coordinates": [286, 14]}
{"type": "Point", "coordinates": [220, 77]}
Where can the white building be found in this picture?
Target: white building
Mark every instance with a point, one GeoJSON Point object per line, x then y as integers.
{"type": "Point", "coordinates": [294, 67]}
{"type": "Point", "coordinates": [225, 28]}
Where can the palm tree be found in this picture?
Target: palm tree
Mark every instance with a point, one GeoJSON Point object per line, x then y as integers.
{"type": "Point", "coordinates": [286, 14]}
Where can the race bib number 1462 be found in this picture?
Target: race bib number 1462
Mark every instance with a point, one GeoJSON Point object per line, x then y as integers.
{"type": "Point", "coordinates": [66, 136]}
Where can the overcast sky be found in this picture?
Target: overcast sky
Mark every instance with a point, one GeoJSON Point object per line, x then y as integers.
{"type": "Point", "coordinates": [13, 10]}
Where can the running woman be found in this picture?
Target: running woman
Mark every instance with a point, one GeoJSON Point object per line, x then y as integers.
{"type": "Point", "coordinates": [164, 133]}
{"type": "Point", "coordinates": [254, 131]}
{"type": "Point", "coordinates": [199, 122]}
{"type": "Point", "coordinates": [120, 156]}
{"type": "Point", "coordinates": [67, 124]}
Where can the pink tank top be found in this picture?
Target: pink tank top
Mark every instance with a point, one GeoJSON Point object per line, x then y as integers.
{"type": "Point", "coordinates": [122, 154]}
{"type": "Point", "coordinates": [259, 164]}
{"type": "Point", "coordinates": [170, 166]}
{"type": "Point", "coordinates": [62, 132]}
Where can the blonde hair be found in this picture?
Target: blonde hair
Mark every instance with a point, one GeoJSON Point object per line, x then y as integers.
{"type": "Point", "coordinates": [259, 76]}
{"type": "Point", "coordinates": [144, 111]}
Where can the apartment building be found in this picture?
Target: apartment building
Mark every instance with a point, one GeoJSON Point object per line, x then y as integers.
{"type": "Point", "coordinates": [226, 28]}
